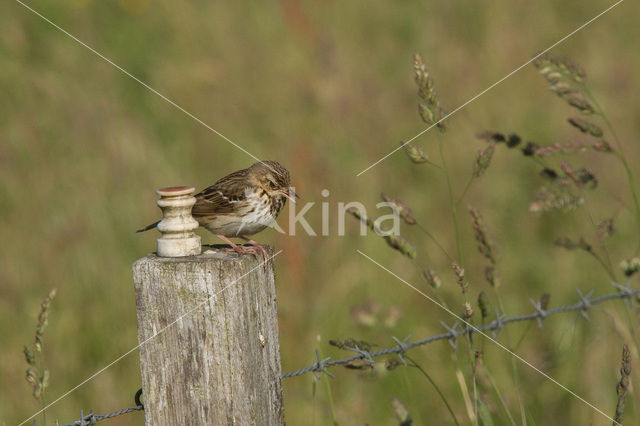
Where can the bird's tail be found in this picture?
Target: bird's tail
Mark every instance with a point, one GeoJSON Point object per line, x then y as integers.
{"type": "Point", "coordinates": [146, 228]}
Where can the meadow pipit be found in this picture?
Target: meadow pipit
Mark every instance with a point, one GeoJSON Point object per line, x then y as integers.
{"type": "Point", "coordinates": [243, 203]}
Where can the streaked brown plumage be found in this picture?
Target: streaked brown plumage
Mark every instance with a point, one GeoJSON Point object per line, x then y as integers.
{"type": "Point", "coordinates": [243, 203]}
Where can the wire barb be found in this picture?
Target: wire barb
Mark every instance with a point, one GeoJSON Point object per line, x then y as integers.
{"type": "Point", "coordinates": [402, 347]}
{"type": "Point", "coordinates": [626, 289]}
{"type": "Point", "coordinates": [321, 366]}
{"type": "Point", "coordinates": [363, 354]}
{"type": "Point", "coordinates": [585, 303]}
{"type": "Point", "coordinates": [453, 333]}
{"type": "Point", "coordinates": [542, 314]}
{"type": "Point", "coordinates": [497, 325]}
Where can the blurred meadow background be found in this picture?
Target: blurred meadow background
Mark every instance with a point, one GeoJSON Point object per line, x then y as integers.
{"type": "Point", "coordinates": [326, 88]}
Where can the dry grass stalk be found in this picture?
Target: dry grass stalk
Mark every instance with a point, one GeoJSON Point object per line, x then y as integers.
{"type": "Point", "coordinates": [623, 385]}
{"type": "Point", "coordinates": [430, 109]}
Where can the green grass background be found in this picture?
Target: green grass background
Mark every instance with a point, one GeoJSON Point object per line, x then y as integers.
{"type": "Point", "coordinates": [326, 88]}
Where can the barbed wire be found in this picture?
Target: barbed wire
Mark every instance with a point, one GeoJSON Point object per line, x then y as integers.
{"type": "Point", "coordinates": [452, 334]}
{"type": "Point", "coordinates": [92, 418]}
{"type": "Point", "coordinates": [402, 346]}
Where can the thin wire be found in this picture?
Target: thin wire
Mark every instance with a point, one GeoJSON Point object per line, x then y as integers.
{"type": "Point", "coordinates": [139, 81]}
{"type": "Point", "coordinates": [524, 361]}
{"type": "Point", "coordinates": [198, 306]}
{"type": "Point", "coordinates": [493, 85]}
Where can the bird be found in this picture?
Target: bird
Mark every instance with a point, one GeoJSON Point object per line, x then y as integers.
{"type": "Point", "coordinates": [242, 204]}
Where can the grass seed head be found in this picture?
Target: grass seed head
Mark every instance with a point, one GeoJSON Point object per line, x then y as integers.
{"type": "Point", "coordinates": [365, 314]}
{"type": "Point", "coordinates": [559, 198]}
{"type": "Point", "coordinates": [544, 301]}
{"type": "Point", "coordinates": [432, 278]}
{"type": "Point", "coordinates": [490, 136]}
{"type": "Point", "coordinates": [351, 342]}
{"type": "Point", "coordinates": [514, 140]}
{"type": "Point", "coordinates": [630, 266]}
{"type": "Point", "coordinates": [601, 146]}
{"type": "Point", "coordinates": [415, 153]}
{"type": "Point", "coordinates": [491, 275]}
{"type": "Point", "coordinates": [569, 244]}
{"type": "Point", "coordinates": [403, 210]}
{"type": "Point", "coordinates": [29, 356]}
{"type": "Point", "coordinates": [362, 217]}
{"type": "Point", "coordinates": [585, 126]}
{"type": "Point", "coordinates": [401, 244]}
{"type": "Point", "coordinates": [391, 364]}
{"type": "Point", "coordinates": [429, 106]}
{"type": "Point", "coordinates": [468, 311]}
{"type": "Point", "coordinates": [464, 286]}
{"type": "Point", "coordinates": [605, 229]}
{"type": "Point", "coordinates": [401, 412]}
{"type": "Point", "coordinates": [579, 102]}
{"type": "Point", "coordinates": [394, 241]}
{"type": "Point", "coordinates": [549, 174]}
{"type": "Point", "coordinates": [529, 149]}
{"type": "Point", "coordinates": [43, 317]}
{"type": "Point", "coordinates": [581, 178]}
{"type": "Point", "coordinates": [566, 79]}
{"type": "Point", "coordinates": [623, 385]}
{"type": "Point", "coordinates": [485, 245]}
{"type": "Point", "coordinates": [484, 305]}
{"type": "Point", "coordinates": [483, 159]}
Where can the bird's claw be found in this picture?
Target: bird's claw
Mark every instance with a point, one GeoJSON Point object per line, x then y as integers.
{"type": "Point", "coordinates": [251, 250]}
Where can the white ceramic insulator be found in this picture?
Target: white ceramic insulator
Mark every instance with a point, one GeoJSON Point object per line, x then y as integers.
{"type": "Point", "coordinates": [177, 224]}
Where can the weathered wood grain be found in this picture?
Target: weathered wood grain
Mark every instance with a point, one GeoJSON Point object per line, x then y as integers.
{"type": "Point", "coordinates": [220, 363]}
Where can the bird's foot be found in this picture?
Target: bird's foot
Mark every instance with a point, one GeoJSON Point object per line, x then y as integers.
{"type": "Point", "coordinates": [260, 247]}
{"type": "Point", "coordinates": [253, 249]}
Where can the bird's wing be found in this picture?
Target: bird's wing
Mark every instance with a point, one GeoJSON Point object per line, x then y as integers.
{"type": "Point", "coordinates": [222, 196]}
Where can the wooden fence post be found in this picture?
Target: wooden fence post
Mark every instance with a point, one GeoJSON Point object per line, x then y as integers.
{"type": "Point", "coordinates": [208, 330]}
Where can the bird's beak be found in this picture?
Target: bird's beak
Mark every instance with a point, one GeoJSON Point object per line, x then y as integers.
{"type": "Point", "coordinates": [290, 194]}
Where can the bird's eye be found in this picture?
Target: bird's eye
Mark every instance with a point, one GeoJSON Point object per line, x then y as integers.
{"type": "Point", "coordinates": [272, 184]}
